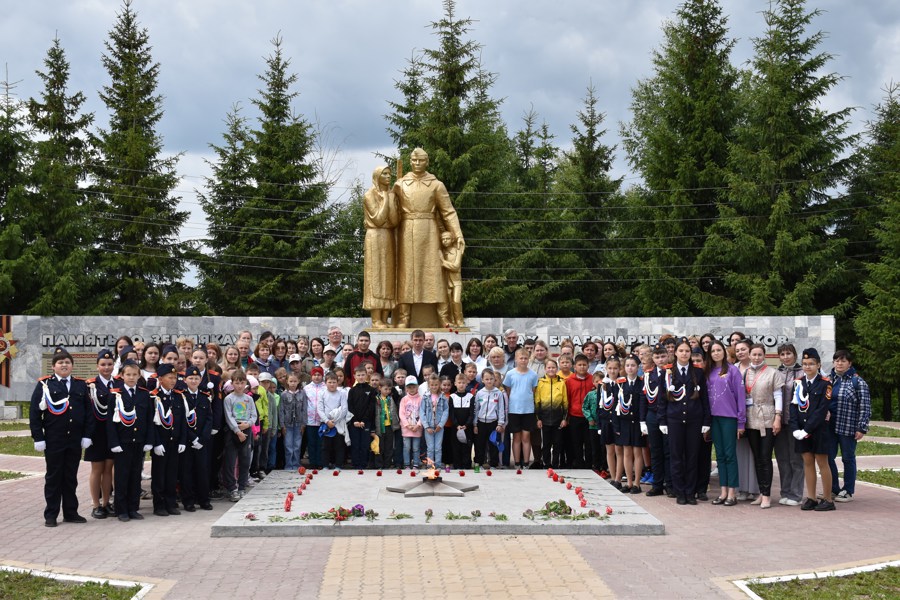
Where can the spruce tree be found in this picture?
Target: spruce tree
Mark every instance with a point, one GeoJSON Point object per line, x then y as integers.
{"type": "Point", "coordinates": [267, 207]}
{"type": "Point", "coordinates": [141, 258]}
{"type": "Point", "coordinates": [683, 116]}
{"type": "Point", "coordinates": [771, 246]}
{"type": "Point", "coordinates": [57, 229]}
{"type": "Point", "coordinates": [16, 147]}
{"type": "Point", "coordinates": [876, 180]}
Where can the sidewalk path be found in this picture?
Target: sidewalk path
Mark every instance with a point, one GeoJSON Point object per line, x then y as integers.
{"type": "Point", "coordinates": [704, 547]}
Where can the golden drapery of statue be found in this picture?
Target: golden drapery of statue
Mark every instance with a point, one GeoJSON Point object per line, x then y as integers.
{"type": "Point", "coordinates": [380, 273]}
{"type": "Point", "coordinates": [417, 265]}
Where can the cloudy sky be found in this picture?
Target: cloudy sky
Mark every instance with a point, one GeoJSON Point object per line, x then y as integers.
{"type": "Point", "coordinates": [348, 54]}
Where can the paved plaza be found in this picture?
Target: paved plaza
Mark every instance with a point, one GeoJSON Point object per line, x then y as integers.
{"type": "Point", "coordinates": [703, 549]}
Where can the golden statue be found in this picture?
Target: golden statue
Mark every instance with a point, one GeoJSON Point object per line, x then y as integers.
{"type": "Point", "coordinates": [381, 218]}
{"type": "Point", "coordinates": [425, 212]}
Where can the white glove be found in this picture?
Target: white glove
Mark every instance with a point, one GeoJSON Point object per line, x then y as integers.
{"type": "Point", "coordinates": [181, 448]}
{"type": "Point", "coordinates": [672, 388]}
{"type": "Point", "coordinates": [607, 381]}
{"type": "Point", "coordinates": [86, 443]}
{"type": "Point", "coordinates": [644, 430]}
{"type": "Point", "coordinates": [40, 446]}
{"type": "Point", "coordinates": [800, 434]}
{"type": "Point", "coordinates": [704, 429]}
{"type": "Point", "coordinates": [215, 431]}
{"type": "Point", "coordinates": [159, 450]}
{"type": "Point", "coordinates": [196, 445]}
{"type": "Point", "coordinates": [116, 449]}
{"type": "Point", "coordinates": [664, 429]}
{"type": "Point", "coordinates": [148, 448]}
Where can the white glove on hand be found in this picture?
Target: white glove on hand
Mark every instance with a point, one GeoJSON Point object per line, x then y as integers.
{"type": "Point", "coordinates": [799, 434]}
{"type": "Point", "coordinates": [116, 449]}
{"type": "Point", "coordinates": [159, 450]}
{"type": "Point", "coordinates": [148, 448]}
{"type": "Point", "coordinates": [86, 443]}
{"type": "Point", "coordinates": [644, 430]}
{"type": "Point", "coordinates": [196, 445]}
{"type": "Point", "coordinates": [664, 429]}
{"type": "Point", "coordinates": [704, 429]}
{"type": "Point", "coordinates": [672, 388]}
{"type": "Point", "coordinates": [215, 431]}
{"type": "Point", "coordinates": [40, 446]}
{"type": "Point", "coordinates": [181, 448]}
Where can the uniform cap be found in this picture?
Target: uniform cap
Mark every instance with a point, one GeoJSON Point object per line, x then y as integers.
{"type": "Point", "coordinates": [61, 354]}
{"type": "Point", "coordinates": [164, 369]}
{"type": "Point", "coordinates": [105, 353]}
{"type": "Point", "coordinates": [812, 353]}
{"type": "Point", "coordinates": [192, 371]}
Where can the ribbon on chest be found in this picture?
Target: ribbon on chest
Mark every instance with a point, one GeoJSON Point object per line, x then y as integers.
{"type": "Point", "coordinates": [55, 407]}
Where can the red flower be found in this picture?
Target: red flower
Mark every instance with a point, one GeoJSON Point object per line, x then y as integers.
{"type": "Point", "coordinates": [378, 473]}
{"type": "Point", "coordinates": [302, 486]}
{"type": "Point", "coordinates": [583, 503]}
{"type": "Point", "coordinates": [335, 473]}
{"type": "Point", "coordinates": [412, 473]}
{"type": "Point", "coordinates": [301, 470]}
{"type": "Point", "coordinates": [569, 486]}
{"type": "Point", "coordinates": [518, 471]}
{"type": "Point", "coordinates": [299, 492]}
{"type": "Point", "coordinates": [609, 510]}
{"type": "Point", "coordinates": [578, 490]}
{"type": "Point", "coordinates": [315, 471]}
{"type": "Point", "coordinates": [360, 472]}
{"type": "Point", "coordinates": [561, 479]}
{"type": "Point", "coordinates": [489, 473]}
{"type": "Point", "coordinates": [291, 495]}
{"type": "Point", "coordinates": [399, 471]}
{"type": "Point", "coordinates": [462, 473]}
{"type": "Point", "coordinates": [555, 477]}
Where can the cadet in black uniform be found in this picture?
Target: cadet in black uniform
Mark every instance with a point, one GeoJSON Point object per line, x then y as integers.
{"type": "Point", "coordinates": [168, 437]}
{"type": "Point", "coordinates": [654, 388]}
{"type": "Point", "coordinates": [128, 431]}
{"type": "Point", "coordinates": [684, 416]}
{"type": "Point", "coordinates": [626, 422]}
{"type": "Point", "coordinates": [98, 454]}
{"type": "Point", "coordinates": [61, 426]}
{"type": "Point", "coordinates": [194, 464]}
{"type": "Point", "coordinates": [809, 410]}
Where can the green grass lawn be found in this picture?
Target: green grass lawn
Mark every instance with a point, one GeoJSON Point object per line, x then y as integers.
{"type": "Point", "coordinates": [878, 431]}
{"type": "Point", "coordinates": [6, 475]}
{"type": "Point", "coordinates": [24, 585]}
{"type": "Point", "coordinates": [887, 477]}
{"type": "Point", "coordinates": [867, 448]}
{"type": "Point", "coordinates": [20, 446]}
{"type": "Point", "coordinates": [877, 585]}
{"type": "Point", "coordinates": [13, 426]}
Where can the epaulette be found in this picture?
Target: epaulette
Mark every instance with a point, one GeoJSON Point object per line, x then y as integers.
{"type": "Point", "coordinates": [45, 377]}
{"type": "Point", "coordinates": [115, 390]}
{"type": "Point", "coordinates": [143, 388]}
{"type": "Point", "coordinates": [152, 376]}
{"type": "Point", "coordinates": [216, 373]}
{"type": "Point", "coordinates": [77, 378]}
{"type": "Point", "coordinates": [825, 378]}
{"type": "Point", "coordinates": [176, 391]}
{"type": "Point", "coordinates": [91, 380]}
{"type": "Point", "coordinates": [154, 391]}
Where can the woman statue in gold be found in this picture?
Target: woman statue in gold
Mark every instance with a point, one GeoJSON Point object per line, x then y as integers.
{"type": "Point", "coordinates": [381, 218]}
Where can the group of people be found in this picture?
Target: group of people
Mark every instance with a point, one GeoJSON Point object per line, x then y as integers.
{"type": "Point", "coordinates": [215, 421]}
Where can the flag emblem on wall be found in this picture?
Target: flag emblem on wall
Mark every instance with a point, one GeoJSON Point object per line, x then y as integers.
{"type": "Point", "coordinates": [8, 348]}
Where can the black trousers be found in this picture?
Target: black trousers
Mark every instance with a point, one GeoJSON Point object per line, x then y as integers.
{"type": "Point", "coordinates": [127, 468]}
{"type": "Point", "coordinates": [704, 466]}
{"type": "Point", "coordinates": [193, 471]}
{"type": "Point", "coordinates": [762, 447]}
{"type": "Point", "coordinates": [659, 454]}
{"type": "Point", "coordinates": [217, 457]}
{"type": "Point", "coordinates": [578, 450]}
{"type": "Point", "coordinates": [334, 450]}
{"type": "Point", "coordinates": [462, 452]}
{"type": "Point", "coordinates": [598, 451]}
{"type": "Point", "coordinates": [483, 447]}
{"type": "Point", "coordinates": [551, 450]}
{"type": "Point", "coordinates": [164, 474]}
{"type": "Point", "coordinates": [684, 452]}
{"type": "Point", "coordinates": [61, 481]}
{"type": "Point", "coordinates": [537, 445]}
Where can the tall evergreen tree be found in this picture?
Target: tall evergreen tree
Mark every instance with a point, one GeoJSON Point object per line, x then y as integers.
{"type": "Point", "coordinates": [677, 140]}
{"type": "Point", "coordinates": [771, 245]}
{"type": "Point", "coordinates": [266, 181]}
{"type": "Point", "coordinates": [876, 180]}
{"type": "Point", "coordinates": [57, 230]}
{"type": "Point", "coordinates": [16, 146]}
{"type": "Point", "coordinates": [141, 259]}
{"type": "Point", "coordinates": [448, 110]}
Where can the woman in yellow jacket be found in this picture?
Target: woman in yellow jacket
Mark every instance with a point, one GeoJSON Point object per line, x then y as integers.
{"type": "Point", "coordinates": [551, 405]}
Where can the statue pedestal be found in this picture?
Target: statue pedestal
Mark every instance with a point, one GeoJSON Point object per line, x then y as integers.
{"type": "Point", "coordinates": [421, 316]}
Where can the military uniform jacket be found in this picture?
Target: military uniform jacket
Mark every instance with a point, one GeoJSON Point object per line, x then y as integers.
{"type": "Point", "coordinates": [101, 408]}
{"type": "Point", "coordinates": [810, 406]}
{"type": "Point", "coordinates": [626, 407]}
{"type": "Point", "coordinates": [136, 409]}
{"type": "Point", "coordinates": [216, 400]}
{"type": "Point", "coordinates": [199, 426]}
{"type": "Point", "coordinates": [652, 384]}
{"type": "Point", "coordinates": [169, 408]}
{"type": "Point", "coordinates": [689, 403]}
{"type": "Point", "coordinates": [68, 416]}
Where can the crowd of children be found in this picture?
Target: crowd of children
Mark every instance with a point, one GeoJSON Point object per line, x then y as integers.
{"type": "Point", "coordinates": [215, 422]}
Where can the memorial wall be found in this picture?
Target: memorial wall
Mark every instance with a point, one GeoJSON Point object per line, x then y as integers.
{"type": "Point", "coordinates": [35, 337]}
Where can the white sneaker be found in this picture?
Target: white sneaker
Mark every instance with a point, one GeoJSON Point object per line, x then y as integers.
{"type": "Point", "coordinates": [844, 496]}
{"type": "Point", "coordinates": [145, 476]}
{"type": "Point", "coordinates": [743, 496]}
{"type": "Point", "coordinates": [789, 502]}
{"type": "Point", "coordinates": [714, 472]}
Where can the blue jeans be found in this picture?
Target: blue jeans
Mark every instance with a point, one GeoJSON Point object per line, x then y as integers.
{"type": "Point", "coordinates": [848, 458]}
{"type": "Point", "coordinates": [434, 446]}
{"type": "Point", "coordinates": [411, 451]}
{"type": "Point", "coordinates": [292, 447]}
{"type": "Point", "coordinates": [273, 452]}
{"type": "Point", "coordinates": [313, 446]}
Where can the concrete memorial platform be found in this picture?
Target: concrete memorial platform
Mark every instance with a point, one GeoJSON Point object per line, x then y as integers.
{"type": "Point", "coordinates": [487, 504]}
